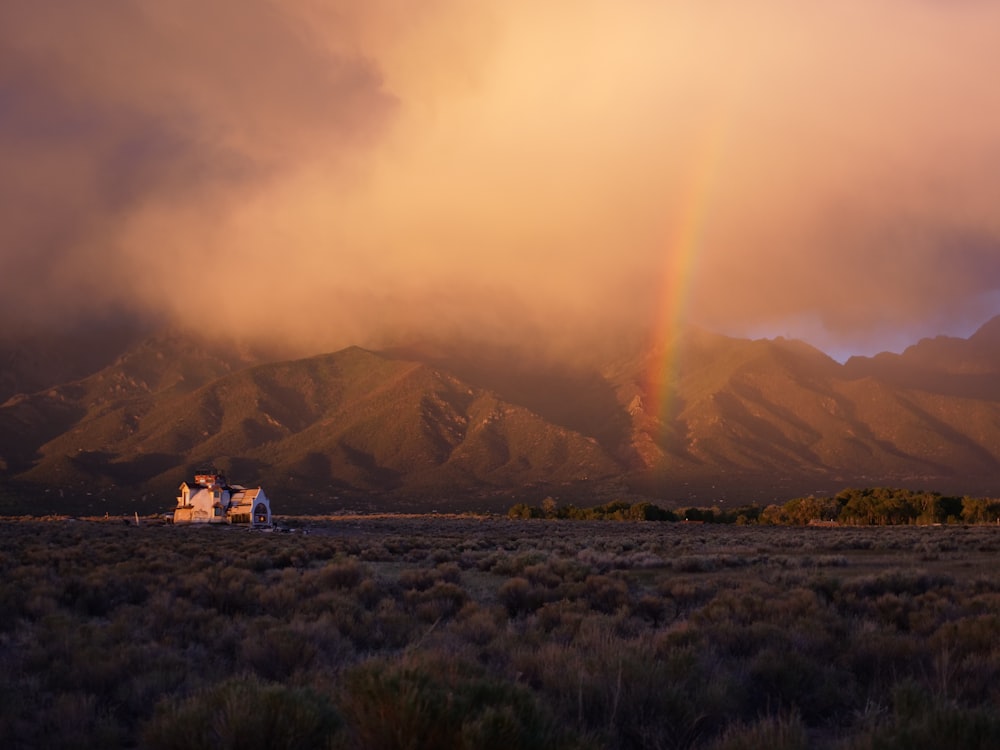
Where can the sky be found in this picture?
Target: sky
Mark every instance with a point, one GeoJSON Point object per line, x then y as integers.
{"type": "Point", "coordinates": [568, 175]}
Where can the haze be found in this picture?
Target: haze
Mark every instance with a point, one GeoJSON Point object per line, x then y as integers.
{"type": "Point", "coordinates": [563, 174]}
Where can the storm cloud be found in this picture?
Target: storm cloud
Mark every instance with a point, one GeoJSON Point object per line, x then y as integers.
{"type": "Point", "coordinates": [334, 173]}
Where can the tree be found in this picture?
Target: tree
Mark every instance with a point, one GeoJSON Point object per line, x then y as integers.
{"type": "Point", "coordinates": [937, 509]}
{"type": "Point", "coordinates": [523, 510]}
{"type": "Point", "coordinates": [649, 512]}
{"type": "Point", "coordinates": [802, 510]}
{"type": "Point", "coordinates": [772, 515]}
{"type": "Point", "coordinates": [550, 508]}
{"type": "Point", "coordinates": [980, 510]}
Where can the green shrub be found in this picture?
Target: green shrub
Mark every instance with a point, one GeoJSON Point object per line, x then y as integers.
{"type": "Point", "coordinates": [770, 732]}
{"type": "Point", "coordinates": [786, 679]}
{"type": "Point", "coordinates": [243, 713]}
{"type": "Point", "coordinates": [605, 594]}
{"type": "Point", "coordinates": [418, 705]}
{"type": "Point", "coordinates": [520, 597]}
{"type": "Point", "coordinates": [418, 579]}
{"type": "Point", "coordinates": [342, 574]}
{"type": "Point", "coordinates": [438, 602]}
{"type": "Point", "coordinates": [276, 652]}
{"type": "Point", "coordinates": [921, 722]}
{"type": "Point", "coordinates": [477, 625]}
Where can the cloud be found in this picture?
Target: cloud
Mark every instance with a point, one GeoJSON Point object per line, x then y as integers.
{"type": "Point", "coordinates": [336, 173]}
{"type": "Point", "coordinates": [116, 113]}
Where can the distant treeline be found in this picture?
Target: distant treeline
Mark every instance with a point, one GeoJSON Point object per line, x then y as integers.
{"type": "Point", "coordinates": [881, 506]}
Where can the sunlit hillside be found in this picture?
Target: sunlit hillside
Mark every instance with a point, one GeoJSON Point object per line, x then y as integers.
{"type": "Point", "coordinates": [735, 420]}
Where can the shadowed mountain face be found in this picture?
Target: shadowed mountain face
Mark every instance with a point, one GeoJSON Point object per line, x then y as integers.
{"type": "Point", "coordinates": [965, 368]}
{"type": "Point", "coordinates": [353, 420]}
{"type": "Point", "coordinates": [33, 360]}
{"type": "Point", "coordinates": [741, 420]}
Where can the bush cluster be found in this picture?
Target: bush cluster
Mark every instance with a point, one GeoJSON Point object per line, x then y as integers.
{"type": "Point", "coordinates": [881, 506]}
{"type": "Point", "coordinates": [481, 633]}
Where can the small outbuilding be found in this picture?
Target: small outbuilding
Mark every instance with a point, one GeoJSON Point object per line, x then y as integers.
{"type": "Point", "coordinates": [211, 499]}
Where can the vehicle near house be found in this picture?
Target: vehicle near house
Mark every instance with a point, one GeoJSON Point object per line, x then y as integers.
{"type": "Point", "coordinates": [211, 499]}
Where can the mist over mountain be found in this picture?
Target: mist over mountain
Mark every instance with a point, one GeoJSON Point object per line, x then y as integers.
{"type": "Point", "coordinates": [734, 420]}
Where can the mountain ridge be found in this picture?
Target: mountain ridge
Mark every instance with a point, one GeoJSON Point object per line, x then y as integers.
{"type": "Point", "coordinates": [741, 419]}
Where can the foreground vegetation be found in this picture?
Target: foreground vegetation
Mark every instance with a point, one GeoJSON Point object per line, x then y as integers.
{"type": "Point", "coordinates": [478, 633]}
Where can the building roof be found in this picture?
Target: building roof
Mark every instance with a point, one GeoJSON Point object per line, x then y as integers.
{"type": "Point", "coordinates": [245, 496]}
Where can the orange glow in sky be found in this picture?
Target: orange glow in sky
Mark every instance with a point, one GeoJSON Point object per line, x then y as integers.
{"type": "Point", "coordinates": [342, 172]}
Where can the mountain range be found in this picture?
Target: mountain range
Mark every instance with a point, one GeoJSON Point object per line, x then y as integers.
{"type": "Point", "coordinates": [733, 420]}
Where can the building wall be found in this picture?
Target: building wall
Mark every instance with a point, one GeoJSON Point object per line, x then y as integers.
{"type": "Point", "coordinates": [198, 504]}
{"type": "Point", "coordinates": [204, 505]}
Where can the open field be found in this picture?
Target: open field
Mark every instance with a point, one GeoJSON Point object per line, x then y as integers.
{"type": "Point", "coordinates": [434, 631]}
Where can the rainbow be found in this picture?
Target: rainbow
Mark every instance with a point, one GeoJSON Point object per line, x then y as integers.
{"type": "Point", "coordinates": [685, 241]}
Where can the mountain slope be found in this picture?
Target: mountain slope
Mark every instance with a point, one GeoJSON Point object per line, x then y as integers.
{"type": "Point", "coordinates": [705, 414]}
{"type": "Point", "coordinates": [110, 401]}
{"type": "Point", "coordinates": [353, 419]}
{"type": "Point", "coordinates": [780, 409]}
{"type": "Point", "coordinates": [31, 361]}
{"type": "Point", "coordinates": [945, 365]}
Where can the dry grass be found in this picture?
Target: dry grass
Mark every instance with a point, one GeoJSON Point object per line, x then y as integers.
{"type": "Point", "coordinates": [492, 632]}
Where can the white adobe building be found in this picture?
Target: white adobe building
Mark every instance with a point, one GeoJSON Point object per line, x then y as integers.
{"type": "Point", "coordinates": [210, 499]}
